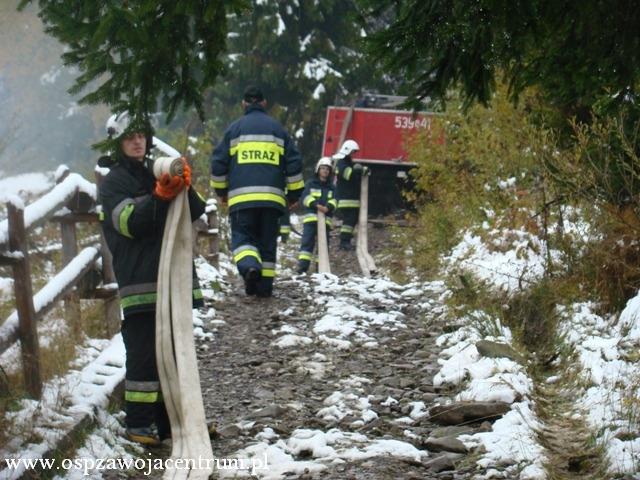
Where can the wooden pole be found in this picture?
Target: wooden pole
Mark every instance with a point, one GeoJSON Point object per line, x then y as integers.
{"type": "Point", "coordinates": [23, 290]}
{"type": "Point", "coordinates": [72, 300]}
{"type": "Point", "coordinates": [345, 127]}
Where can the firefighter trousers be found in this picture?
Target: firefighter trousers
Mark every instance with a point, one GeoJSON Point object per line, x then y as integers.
{"type": "Point", "coordinates": [254, 241]}
{"type": "Point", "coordinates": [349, 222]}
{"type": "Point", "coordinates": [143, 397]}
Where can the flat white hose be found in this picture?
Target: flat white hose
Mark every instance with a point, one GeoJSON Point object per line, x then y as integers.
{"type": "Point", "coordinates": [367, 264]}
{"type": "Point", "coordinates": [165, 148]}
{"type": "Point", "coordinates": [175, 347]}
{"type": "Point", "coordinates": [323, 248]}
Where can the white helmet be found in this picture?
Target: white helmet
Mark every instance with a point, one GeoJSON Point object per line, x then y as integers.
{"type": "Point", "coordinates": [117, 124]}
{"type": "Point", "coordinates": [324, 161]}
{"type": "Point", "coordinates": [348, 147]}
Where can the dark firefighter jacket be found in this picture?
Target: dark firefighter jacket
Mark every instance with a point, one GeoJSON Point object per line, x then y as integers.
{"type": "Point", "coordinates": [318, 193]}
{"type": "Point", "coordinates": [133, 223]}
{"type": "Point", "coordinates": [348, 184]}
{"type": "Point", "coordinates": [255, 162]}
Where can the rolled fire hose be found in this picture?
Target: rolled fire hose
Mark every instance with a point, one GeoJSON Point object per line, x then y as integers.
{"type": "Point", "coordinates": [175, 347]}
{"type": "Point", "coordinates": [367, 265]}
{"type": "Point", "coordinates": [323, 249]}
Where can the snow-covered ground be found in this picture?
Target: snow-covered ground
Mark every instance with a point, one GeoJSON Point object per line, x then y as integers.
{"type": "Point", "coordinates": [607, 351]}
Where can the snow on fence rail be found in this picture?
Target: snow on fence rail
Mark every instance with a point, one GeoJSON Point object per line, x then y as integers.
{"type": "Point", "coordinates": [51, 293]}
{"type": "Point", "coordinates": [59, 204]}
{"type": "Point", "coordinates": [42, 209]}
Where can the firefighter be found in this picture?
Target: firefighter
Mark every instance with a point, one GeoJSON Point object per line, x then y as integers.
{"type": "Point", "coordinates": [251, 168]}
{"type": "Point", "coordinates": [348, 175]}
{"type": "Point", "coordinates": [318, 196]}
{"type": "Point", "coordinates": [134, 206]}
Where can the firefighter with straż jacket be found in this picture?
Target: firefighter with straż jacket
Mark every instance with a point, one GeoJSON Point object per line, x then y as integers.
{"type": "Point", "coordinates": [252, 167]}
{"type": "Point", "coordinates": [318, 196]}
{"type": "Point", "coordinates": [135, 207]}
{"type": "Point", "coordinates": [348, 176]}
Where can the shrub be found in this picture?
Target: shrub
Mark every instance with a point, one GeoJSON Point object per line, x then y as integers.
{"type": "Point", "coordinates": [488, 168]}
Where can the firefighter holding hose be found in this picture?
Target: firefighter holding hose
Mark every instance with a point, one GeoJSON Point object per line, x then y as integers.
{"type": "Point", "coordinates": [349, 175]}
{"type": "Point", "coordinates": [135, 207]}
{"type": "Point", "coordinates": [318, 196]}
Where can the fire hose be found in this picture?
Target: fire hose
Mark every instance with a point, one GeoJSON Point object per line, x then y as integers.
{"type": "Point", "coordinates": [367, 264]}
{"type": "Point", "coordinates": [323, 248]}
{"type": "Point", "coordinates": [175, 346]}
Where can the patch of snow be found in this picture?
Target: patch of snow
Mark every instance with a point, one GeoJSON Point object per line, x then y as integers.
{"type": "Point", "coordinates": [281, 26]}
{"type": "Point", "coordinates": [323, 449]}
{"type": "Point", "coordinates": [65, 400]}
{"type": "Point", "coordinates": [291, 340]}
{"type": "Point", "coordinates": [319, 68]}
{"type": "Point", "coordinates": [512, 442]}
{"type": "Point", "coordinates": [319, 90]}
{"type": "Point", "coordinates": [6, 288]}
{"type": "Point", "coordinates": [28, 184]}
{"type": "Point", "coordinates": [605, 350]}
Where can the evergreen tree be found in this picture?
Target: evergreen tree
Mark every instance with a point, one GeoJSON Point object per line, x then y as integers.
{"type": "Point", "coordinates": [305, 55]}
{"type": "Point", "coordinates": [576, 52]}
{"type": "Point", "coordinates": [134, 54]}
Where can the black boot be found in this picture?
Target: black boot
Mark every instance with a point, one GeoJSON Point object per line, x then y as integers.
{"type": "Point", "coordinates": [251, 278]}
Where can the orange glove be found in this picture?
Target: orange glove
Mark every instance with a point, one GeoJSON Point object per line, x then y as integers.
{"type": "Point", "coordinates": [168, 187]}
{"type": "Point", "coordinates": [186, 173]}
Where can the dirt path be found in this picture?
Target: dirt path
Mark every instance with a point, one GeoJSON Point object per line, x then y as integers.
{"type": "Point", "coordinates": [335, 367]}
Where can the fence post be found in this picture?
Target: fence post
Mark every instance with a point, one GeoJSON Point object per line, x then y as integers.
{"type": "Point", "coordinates": [72, 300]}
{"type": "Point", "coordinates": [23, 290]}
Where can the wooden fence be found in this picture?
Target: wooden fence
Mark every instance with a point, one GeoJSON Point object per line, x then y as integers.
{"type": "Point", "coordinates": [70, 202]}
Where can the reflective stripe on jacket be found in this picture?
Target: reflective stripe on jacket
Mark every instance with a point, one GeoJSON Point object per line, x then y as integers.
{"type": "Point", "coordinates": [318, 193]}
{"type": "Point", "coordinates": [348, 184]}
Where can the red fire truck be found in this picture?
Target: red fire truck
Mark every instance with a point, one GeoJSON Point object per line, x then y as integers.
{"type": "Point", "coordinates": [383, 135]}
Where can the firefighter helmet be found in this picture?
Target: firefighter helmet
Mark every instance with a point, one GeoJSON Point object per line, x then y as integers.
{"type": "Point", "coordinates": [324, 162]}
{"type": "Point", "coordinates": [117, 124]}
{"type": "Point", "coordinates": [348, 147]}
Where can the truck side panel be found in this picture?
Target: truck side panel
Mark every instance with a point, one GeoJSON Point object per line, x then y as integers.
{"type": "Point", "coordinates": [381, 134]}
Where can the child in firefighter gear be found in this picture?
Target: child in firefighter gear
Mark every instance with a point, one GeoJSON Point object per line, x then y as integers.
{"type": "Point", "coordinates": [348, 175]}
{"type": "Point", "coordinates": [135, 207]}
{"type": "Point", "coordinates": [318, 196]}
{"type": "Point", "coordinates": [251, 168]}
